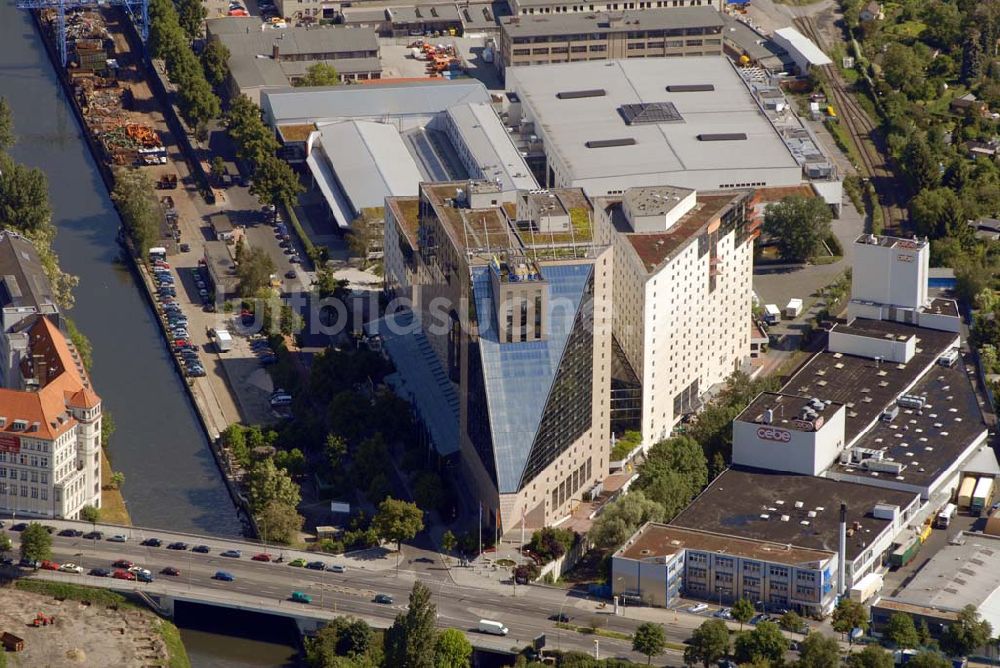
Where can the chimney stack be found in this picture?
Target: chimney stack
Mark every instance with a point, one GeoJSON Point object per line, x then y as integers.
{"type": "Point", "coordinates": [842, 552]}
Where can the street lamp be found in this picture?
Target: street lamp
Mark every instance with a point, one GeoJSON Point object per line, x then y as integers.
{"type": "Point", "coordinates": [559, 621]}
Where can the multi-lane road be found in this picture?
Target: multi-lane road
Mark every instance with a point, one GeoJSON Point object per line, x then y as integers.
{"type": "Point", "coordinates": [351, 592]}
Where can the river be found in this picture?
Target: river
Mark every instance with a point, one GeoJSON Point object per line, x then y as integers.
{"type": "Point", "coordinates": [171, 479]}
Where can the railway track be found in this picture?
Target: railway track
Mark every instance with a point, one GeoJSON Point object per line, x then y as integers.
{"type": "Point", "coordinates": [862, 131]}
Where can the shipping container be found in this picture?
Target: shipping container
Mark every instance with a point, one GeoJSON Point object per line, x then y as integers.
{"type": "Point", "coordinates": [965, 492]}
{"type": "Point", "coordinates": [982, 496]}
{"type": "Point", "coordinates": [904, 554]}
{"type": "Point", "coordinates": [866, 587]}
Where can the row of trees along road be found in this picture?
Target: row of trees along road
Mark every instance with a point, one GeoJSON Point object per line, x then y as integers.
{"type": "Point", "coordinates": [274, 182]}
{"type": "Point", "coordinates": [171, 31]}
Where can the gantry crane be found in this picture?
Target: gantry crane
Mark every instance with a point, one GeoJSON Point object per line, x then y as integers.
{"type": "Point", "coordinates": [138, 10]}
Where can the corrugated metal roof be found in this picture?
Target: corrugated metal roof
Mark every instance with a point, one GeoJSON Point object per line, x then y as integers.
{"type": "Point", "coordinates": [490, 146]}
{"type": "Point", "coordinates": [370, 162]}
{"type": "Point", "coordinates": [805, 46]}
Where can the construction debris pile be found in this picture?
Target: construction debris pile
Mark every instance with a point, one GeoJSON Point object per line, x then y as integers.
{"type": "Point", "coordinates": [93, 72]}
{"type": "Point", "coordinates": [133, 144]}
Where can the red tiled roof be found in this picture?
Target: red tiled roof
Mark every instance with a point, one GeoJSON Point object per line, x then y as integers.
{"type": "Point", "coordinates": [65, 383]}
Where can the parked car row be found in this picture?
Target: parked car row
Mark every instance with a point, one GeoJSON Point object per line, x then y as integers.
{"type": "Point", "coordinates": [262, 349]}
{"type": "Point", "coordinates": [285, 240]}
{"type": "Point", "coordinates": [175, 321]}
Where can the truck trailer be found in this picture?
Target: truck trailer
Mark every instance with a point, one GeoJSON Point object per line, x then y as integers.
{"type": "Point", "coordinates": [223, 340]}
{"type": "Point", "coordinates": [982, 496]}
{"type": "Point", "coordinates": [965, 491]}
{"type": "Point", "coordinates": [794, 308]}
{"type": "Point", "coordinates": [866, 587]}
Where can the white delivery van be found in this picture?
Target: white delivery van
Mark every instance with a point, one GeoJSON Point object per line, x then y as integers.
{"type": "Point", "coordinates": [493, 628]}
{"type": "Point", "coordinates": [794, 308]}
{"type": "Point", "coordinates": [223, 340]}
{"type": "Point", "coordinates": [772, 315]}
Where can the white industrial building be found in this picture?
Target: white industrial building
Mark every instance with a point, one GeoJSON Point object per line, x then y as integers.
{"type": "Point", "coordinates": [802, 50]}
{"type": "Point", "coordinates": [682, 297]}
{"type": "Point", "coordinates": [366, 143]}
{"type": "Point", "coordinates": [605, 126]}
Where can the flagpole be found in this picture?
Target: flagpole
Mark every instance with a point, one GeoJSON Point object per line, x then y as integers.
{"type": "Point", "coordinates": [480, 528]}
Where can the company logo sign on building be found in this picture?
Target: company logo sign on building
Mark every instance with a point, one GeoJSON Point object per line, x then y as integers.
{"type": "Point", "coordinates": [774, 434]}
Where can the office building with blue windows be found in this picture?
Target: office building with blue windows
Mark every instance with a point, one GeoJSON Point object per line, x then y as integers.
{"type": "Point", "coordinates": [510, 301]}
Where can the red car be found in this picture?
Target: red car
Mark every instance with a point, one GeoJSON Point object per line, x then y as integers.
{"type": "Point", "coordinates": [263, 556]}
{"type": "Point", "coordinates": [49, 565]}
{"type": "Point", "coordinates": [123, 575]}
{"type": "Point", "coordinates": [123, 563]}
{"type": "Point", "coordinates": [170, 570]}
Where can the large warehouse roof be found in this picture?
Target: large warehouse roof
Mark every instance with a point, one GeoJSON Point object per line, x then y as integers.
{"type": "Point", "coordinates": [688, 122]}
{"type": "Point", "coordinates": [490, 147]}
{"type": "Point", "coordinates": [308, 105]}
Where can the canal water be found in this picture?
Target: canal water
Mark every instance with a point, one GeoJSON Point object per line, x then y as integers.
{"type": "Point", "coordinates": [171, 480]}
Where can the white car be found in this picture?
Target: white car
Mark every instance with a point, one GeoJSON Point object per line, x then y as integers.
{"type": "Point", "coordinates": [71, 568]}
{"type": "Point", "coordinates": [699, 607]}
{"type": "Point", "coordinates": [139, 569]}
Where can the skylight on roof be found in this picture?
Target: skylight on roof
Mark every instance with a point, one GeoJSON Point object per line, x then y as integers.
{"type": "Point", "coordinates": [723, 136]}
{"type": "Point", "coordinates": [650, 112]}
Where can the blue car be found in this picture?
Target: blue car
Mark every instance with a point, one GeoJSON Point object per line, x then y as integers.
{"type": "Point", "coordinates": [224, 576]}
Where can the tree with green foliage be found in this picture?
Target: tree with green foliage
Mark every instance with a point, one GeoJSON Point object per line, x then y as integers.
{"type": "Point", "coordinates": [133, 195]}
{"type": "Point", "coordinates": [191, 14]}
{"type": "Point", "coordinates": [743, 611]}
{"type": "Point", "coordinates": [872, 656]}
{"type": "Point", "coordinates": [708, 643]}
{"type": "Point", "coordinates": [764, 643]}
{"type": "Point", "coordinates": [622, 517]}
{"type": "Point", "coordinates": [849, 615]}
{"type": "Point", "coordinates": [275, 182]}
{"type": "Point", "coordinates": [550, 543]}
{"type": "Point", "coordinates": [36, 543]}
{"type": "Point", "coordinates": [936, 212]}
{"type": "Point", "coordinates": [903, 69]}
{"type": "Point", "coordinates": [254, 271]}
{"type": "Point", "coordinates": [411, 640]}
{"type": "Point", "coordinates": [901, 631]}
{"type": "Point", "coordinates": [452, 650]}
{"type": "Point", "coordinates": [344, 638]}
{"type": "Point", "coordinates": [24, 197]}
{"type": "Point", "coordinates": [255, 142]}
{"type": "Point", "coordinates": [90, 514]}
{"type": "Point", "coordinates": [967, 634]}
{"type": "Point", "coordinates": [798, 225]}
{"type": "Point", "coordinates": [234, 439]}
{"type": "Point", "coordinates": [397, 521]}
{"type": "Point", "coordinates": [448, 541]}
{"type": "Point", "coordinates": [791, 622]}
{"type": "Point", "coordinates": [218, 170]}
{"type": "Point", "coordinates": [267, 483]}
{"type": "Point", "coordinates": [319, 74]}
{"type": "Point", "coordinates": [293, 461]}
{"type": "Point", "coordinates": [819, 651]}
{"type": "Point", "coordinates": [117, 480]}
{"type": "Point", "coordinates": [6, 544]}
{"type": "Point", "coordinates": [921, 166]}
{"type": "Point", "coordinates": [7, 136]}
{"type": "Point", "coordinates": [928, 659]}
{"type": "Point", "coordinates": [673, 473]}
{"type": "Point", "coordinates": [649, 639]}
{"type": "Point", "coordinates": [280, 522]}
{"type": "Point", "coordinates": [215, 62]}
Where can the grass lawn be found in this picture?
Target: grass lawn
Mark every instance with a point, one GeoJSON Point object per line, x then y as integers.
{"type": "Point", "coordinates": [178, 657]}
{"type": "Point", "coordinates": [907, 29]}
{"type": "Point", "coordinates": [113, 508]}
{"type": "Point", "coordinates": [73, 592]}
